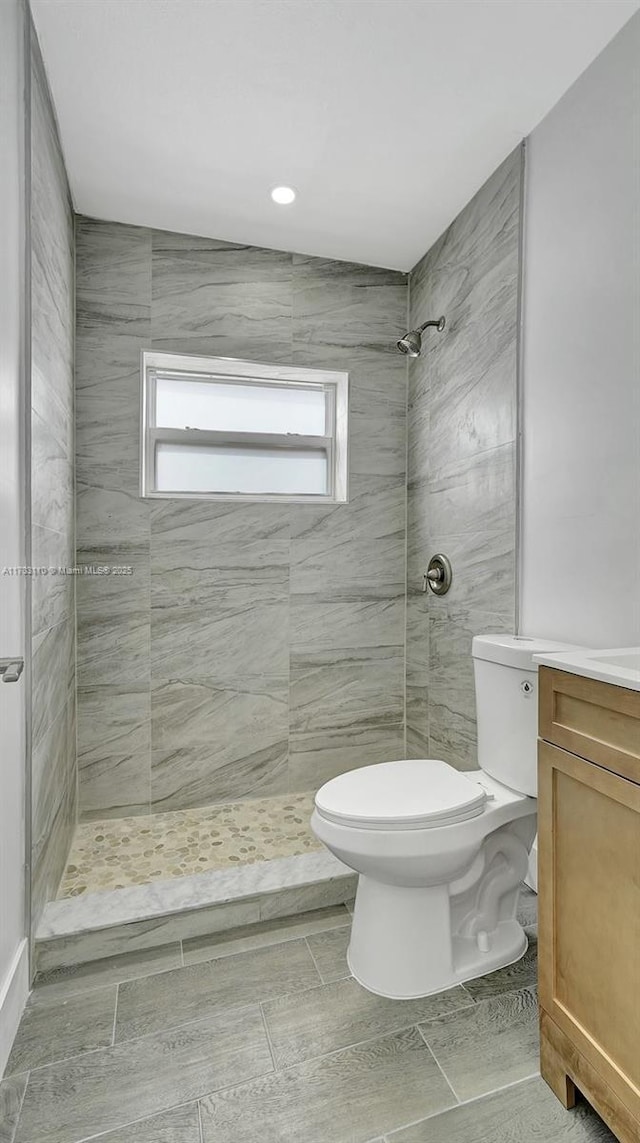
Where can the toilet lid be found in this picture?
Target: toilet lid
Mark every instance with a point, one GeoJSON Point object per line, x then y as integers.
{"type": "Point", "coordinates": [412, 794]}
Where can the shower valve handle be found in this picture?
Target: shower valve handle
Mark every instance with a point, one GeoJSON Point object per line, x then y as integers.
{"type": "Point", "coordinates": [438, 575]}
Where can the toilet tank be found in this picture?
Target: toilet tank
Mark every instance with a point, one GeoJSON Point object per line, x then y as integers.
{"type": "Point", "coordinates": [506, 684]}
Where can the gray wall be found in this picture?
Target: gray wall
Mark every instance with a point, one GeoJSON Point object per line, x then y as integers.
{"type": "Point", "coordinates": [582, 358]}
{"type": "Point", "coordinates": [259, 648]}
{"type": "Point", "coordinates": [461, 461]}
{"type": "Point", "coordinates": [53, 621]}
{"type": "Point", "coordinates": [14, 548]}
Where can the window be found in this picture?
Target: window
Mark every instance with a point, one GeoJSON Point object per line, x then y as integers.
{"type": "Point", "coordinates": [214, 427]}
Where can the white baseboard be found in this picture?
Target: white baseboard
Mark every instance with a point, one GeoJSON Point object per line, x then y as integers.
{"type": "Point", "coordinates": [14, 990]}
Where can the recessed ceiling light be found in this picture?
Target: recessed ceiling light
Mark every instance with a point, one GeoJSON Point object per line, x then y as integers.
{"type": "Point", "coordinates": [284, 196]}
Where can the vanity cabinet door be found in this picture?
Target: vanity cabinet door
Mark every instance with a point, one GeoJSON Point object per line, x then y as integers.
{"type": "Point", "coordinates": [589, 919]}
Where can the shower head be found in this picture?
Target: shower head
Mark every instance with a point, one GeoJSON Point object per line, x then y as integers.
{"type": "Point", "coordinates": [411, 343]}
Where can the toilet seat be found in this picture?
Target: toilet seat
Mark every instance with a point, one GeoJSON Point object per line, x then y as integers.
{"type": "Point", "coordinates": [412, 794]}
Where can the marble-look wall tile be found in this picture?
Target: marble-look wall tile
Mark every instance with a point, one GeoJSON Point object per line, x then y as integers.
{"type": "Point", "coordinates": [113, 263]}
{"type": "Point", "coordinates": [114, 750]}
{"type": "Point", "coordinates": [462, 462]}
{"type": "Point", "coordinates": [109, 516]}
{"type": "Point", "coordinates": [53, 798]}
{"type": "Point", "coordinates": [346, 305]}
{"type": "Point", "coordinates": [346, 689]}
{"type": "Point", "coordinates": [113, 616]}
{"type": "Point", "coordinates": [241, 597]}
{"type": "Point", "coordinates": [346, 550]}
{"type": "Point", "coordinates": [374, 620]}
{"type": "Point", "coordinates": [52, 593]}
{"type": "Point", "coordinates": [218, 740]}
{"type": "Point", "coordinates": [113, 611]}
{"type": "Point", "coordinates": [52, 483]}
{"type": "Point", "coordinates": [316, 757]}
{"type": "Point", "coordinates": [113, 327]}
{"type": "Point", "coordinates": [52, 263]}
{"type": "Point", "coordinates": [52, 670]}
{"type": "Point", "coordinates": [220, 298]}
{"type": "Point", "coordinates": [452, 708]}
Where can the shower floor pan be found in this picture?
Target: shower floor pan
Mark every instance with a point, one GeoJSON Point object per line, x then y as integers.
{"type": "Point", "coordinates": [140, 882]}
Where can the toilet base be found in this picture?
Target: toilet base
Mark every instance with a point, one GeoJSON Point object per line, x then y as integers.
{"type": "Point", "coordinates": [404, 935]}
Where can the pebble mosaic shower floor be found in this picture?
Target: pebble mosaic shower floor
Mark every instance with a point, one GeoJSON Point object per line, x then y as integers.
{"type": "Point", "coordinates": [120, 852]}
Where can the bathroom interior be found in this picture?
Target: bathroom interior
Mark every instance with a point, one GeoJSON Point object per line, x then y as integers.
{"type": "Point", "coordinates": [320, 505]}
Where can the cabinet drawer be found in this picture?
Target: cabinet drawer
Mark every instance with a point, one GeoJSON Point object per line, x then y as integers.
{"type": "Point", "coordinates": [596, 720]}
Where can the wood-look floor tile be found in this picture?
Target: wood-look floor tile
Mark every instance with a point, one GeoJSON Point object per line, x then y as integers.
{"type": "Point", "coordinates": [173, 998]}
{"type": "Point", "coordinates": [528, 907]}
{"type": "Point", "coordinates": [522, 974]}
{"type": "Point", "coordinates": [265, 933]}
{"type": "Point", "coordinates": [62, 982]}
{"type": "Point", "coordinates": [336, 1015]}
{"type": "Point", "coordinates": [329, 951]}
{"type": "Point", "coordinates": [488, 1045]}
{"type": "Point", "coordinates": [100, 1091]}
{"type": "Point", "coordinates": [346, 1097]}
{"type": "Point", "coordinates": [63, 1028]}
{"type": "Point", "coordinates": [522, 1113]}
{"type": "Point", "coordinates": [12, 1091]}
{"type": "Point", "coordinates": [179, 1125]}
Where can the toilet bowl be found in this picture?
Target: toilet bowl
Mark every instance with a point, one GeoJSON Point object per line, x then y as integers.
{"type": "Point", "coordinates": [436, 895]}
{"type": "Point", "coordinates": [441, 854]}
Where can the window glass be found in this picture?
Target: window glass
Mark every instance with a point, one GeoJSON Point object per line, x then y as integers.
{"type": "Point", "coordinates": [233, 407]}
{"type": "Point", "coordinates": [197, 468]}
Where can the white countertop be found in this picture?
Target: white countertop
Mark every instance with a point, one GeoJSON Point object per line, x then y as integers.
{"type": "Point", "coordinates": [618, 665]}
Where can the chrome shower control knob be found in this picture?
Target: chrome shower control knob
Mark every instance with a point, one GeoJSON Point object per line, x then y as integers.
{"type": "Point", "coordinates": [438, 575]}
{"type": "Point", "coordinates": [526, 687]}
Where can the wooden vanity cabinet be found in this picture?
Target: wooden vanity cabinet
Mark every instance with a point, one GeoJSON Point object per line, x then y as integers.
{"type": "Point", "coordinates": [589, 895]}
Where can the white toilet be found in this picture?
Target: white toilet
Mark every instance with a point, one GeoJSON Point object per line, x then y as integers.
{"type": "Point", "coordinates": [441, 853]}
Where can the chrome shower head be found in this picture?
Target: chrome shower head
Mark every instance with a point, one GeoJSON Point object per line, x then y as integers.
{"type": "Point", "coordinates": [411, 343]}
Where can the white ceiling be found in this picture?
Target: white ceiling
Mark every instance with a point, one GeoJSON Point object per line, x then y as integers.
{"type": "Point", "coordinates": [385, 115]}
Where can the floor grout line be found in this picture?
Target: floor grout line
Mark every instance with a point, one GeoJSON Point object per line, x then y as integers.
{"type": "Point", "coordinates": [315, 964]}
{"type": "Point", "coordinates": [394, 1031]}
{"type": "Point", "coordinates": [268, 944]}
{"type": "Point", "coordinates": [268, 1035]}
{"type": "Point", "coordinates": [461, 1102]}
{"type": "Point", "coordinates": [125, 980]}
{"type": "Point", "coordinates": [439, 1065]}
{"type": "Point", "coordinates": [200, 1127]}
{"type": "Point", "coordinates": [143, 1119]}
{"type": "Point", "coordinates": [115, 1016]}
{"type": "Point", "coordinates": [21, 1105]}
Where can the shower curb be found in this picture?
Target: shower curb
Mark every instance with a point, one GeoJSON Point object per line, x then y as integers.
{"type": "Point", "coordinates": [77, 930]}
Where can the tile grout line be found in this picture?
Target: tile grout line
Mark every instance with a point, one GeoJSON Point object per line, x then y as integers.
{"type": "Point", "coordinates": [461, 1103]}
{"type": "Point", "coordinates": [186, 1023]}
{"type": "Point", "coordinates": [268, 1035]}
{"type": "Point", "coordinates": [438, 1064]}
{"type": "Point", "coordinates": [15, 1130]}
{"type": "Point", "coordinates": [395, 1031]}
{"type": "Point", "coordinates": [257, 948]}
{"type": "Point", "coordinates": [236, 1008]}
{"type": "Point", "coordinates": [200, 1128]}
{"type": "Point", "coordinates": [306, 941]}
{"type": "Point", "coordinates": [62, 999]}
{"type": "Point", "coordinates": [115, 1016]}
{"type": "Point", "coordinates": [132, 1122]}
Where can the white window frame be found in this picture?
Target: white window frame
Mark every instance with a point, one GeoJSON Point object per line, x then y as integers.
{"type": "Point", "coordinates": [231, 371]}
